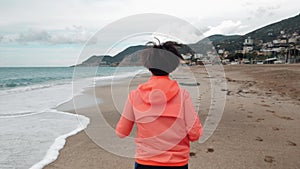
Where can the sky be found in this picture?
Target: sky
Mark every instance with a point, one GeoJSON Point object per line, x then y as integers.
{"type": "Point", "coordinates": [55, 32]}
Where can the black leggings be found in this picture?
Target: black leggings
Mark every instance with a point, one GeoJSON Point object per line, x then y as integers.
{"type": "Point", "coordinates": [140, 166]}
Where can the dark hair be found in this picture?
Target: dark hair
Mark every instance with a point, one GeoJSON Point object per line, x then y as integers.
{"type": "Point", "coordinates": [169, 46]}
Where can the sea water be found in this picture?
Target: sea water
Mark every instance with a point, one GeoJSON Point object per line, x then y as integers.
{"type": "Point", "coordinates": [32, 131]}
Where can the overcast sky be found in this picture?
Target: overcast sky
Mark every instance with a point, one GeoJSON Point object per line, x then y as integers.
{"type": "Point", "coordinates": [53, 33]}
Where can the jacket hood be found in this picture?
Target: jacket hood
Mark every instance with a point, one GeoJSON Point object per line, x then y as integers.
{"type": "Point", "coordinates": [158, 90]}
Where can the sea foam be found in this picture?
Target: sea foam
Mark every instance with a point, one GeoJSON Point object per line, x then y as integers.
{"type": "Point", "coordinates": [32, 131]}
{"type": "Point", "coordinates": [59, 143]}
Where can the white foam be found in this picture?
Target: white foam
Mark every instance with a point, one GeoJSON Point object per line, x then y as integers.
{"type": "Point", "coordinates": [34, 100]}
{"type": "Point", "coordinates": [106, 80]}
{"type": "Point", "coordinates": [31, 130]}
{"type": "Point", "coordinates": [22, 89]}
{"type": "Point", "coordinates": [59, 143]}
{"type": "Point", "coordinates": [41, 99]}
{"type": "Point", "coordinates": [37, 138]}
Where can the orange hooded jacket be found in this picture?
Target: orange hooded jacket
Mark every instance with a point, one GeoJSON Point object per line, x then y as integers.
{"type": "Point", "coordinates": [166, 122]}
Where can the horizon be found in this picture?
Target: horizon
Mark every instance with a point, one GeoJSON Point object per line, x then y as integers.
{"type": "Point", "coordinates": [48, 40]}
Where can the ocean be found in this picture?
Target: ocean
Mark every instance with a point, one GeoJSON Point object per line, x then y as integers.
{"type": "Point", "coordinates": [32, 130]}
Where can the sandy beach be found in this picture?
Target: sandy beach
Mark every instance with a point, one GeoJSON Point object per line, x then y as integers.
{"type": "Point", "coordinates": [259, 127]}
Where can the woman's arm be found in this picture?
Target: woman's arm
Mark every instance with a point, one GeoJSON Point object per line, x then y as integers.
{"type": "Point", "coordinates": [192, 122]}
{"type": "Point", "coordinates": [126, 121]}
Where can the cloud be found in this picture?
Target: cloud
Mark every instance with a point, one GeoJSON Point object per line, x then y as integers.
{"type": "Point", "coordinates": [34, 36]}
{"type": "Point", "coordinates": [227, 27]}
{"type": "Point", "coordinates": [70, 35]}
{"type": "Point", "coordinates": [266, 11]}
{"type": "Point", "coordinates": [180, 31]}
{"type": "Point", "coordinates": [9, 38]}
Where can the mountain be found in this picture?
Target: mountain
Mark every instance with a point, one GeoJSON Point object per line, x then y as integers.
{"type": "Point", "coordinates": [93, 61]}
{"type": "Point", "coordinates": [107, 60]}
{"type": "Point", "coordinates": [230, 43]}
{"type": "Point", "coordinates": [269, 32]}
{"type": "Point", "coordinates": [212, 43]}
{"type": "Point", "coordinates": [120, 56]}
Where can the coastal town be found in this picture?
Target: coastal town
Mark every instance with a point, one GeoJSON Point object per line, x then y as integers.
{"type": "Point", "coordinates": [284, 49]}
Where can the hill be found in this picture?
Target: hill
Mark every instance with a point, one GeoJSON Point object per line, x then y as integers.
{"type": "Point", "coordinates": [269, 32]}
{"type": "Point", "coordinates": [229, 43]}
{"type": "Point", "coordinates": [107, 60]}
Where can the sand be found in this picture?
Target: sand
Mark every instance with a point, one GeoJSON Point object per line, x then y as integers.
{"type": "Point", "coordinates": [259, 127]}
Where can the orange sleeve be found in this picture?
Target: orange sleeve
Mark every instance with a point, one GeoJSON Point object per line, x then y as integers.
{"type": "Point", "coordinates": [192, 122]}
{"type": "Point", "coordinates": [126, 121]}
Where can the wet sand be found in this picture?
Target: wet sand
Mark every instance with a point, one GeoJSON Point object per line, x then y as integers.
{"type": "Point", "coordinates": [259, 127]}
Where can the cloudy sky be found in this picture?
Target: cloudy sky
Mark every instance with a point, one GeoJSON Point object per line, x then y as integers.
{"type": "Point", "coordinates": [54, 32]}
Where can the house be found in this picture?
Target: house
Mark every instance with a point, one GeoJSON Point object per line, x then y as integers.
{"type": "Point", "coordinates": [270, 60]}
{"type": "Point", "coordinates": [248, 45]}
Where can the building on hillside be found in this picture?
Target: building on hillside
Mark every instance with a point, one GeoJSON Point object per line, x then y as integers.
{"type": "Point", "coordinates": [248, 45]}
{"type": "Point", "coordinates": [285, 48]}
{"type": "Point", "coordinates": [294, 39]}
{"type": "Point", "coordinates": [293, 49]}
{"type": "Point", "coordinates": [270, 60]}
{"type": "Point", "coordinates": [187, 56]}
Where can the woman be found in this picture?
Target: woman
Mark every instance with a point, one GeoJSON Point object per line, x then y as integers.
{"type": "Point", "coordinates": [163, 112]}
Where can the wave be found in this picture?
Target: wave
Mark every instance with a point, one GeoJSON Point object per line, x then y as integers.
{"type": "Point", "coordinates": [12, 82]}
{"type": "Point", "coordinates": [60, 141]}
{"type": "Point", "coordinates": [19, 85]}
{"type": "Point", "coordinates": [105, 80]}
{"type": "Point", "coordinates": [21, 89]}
{"type": "Point", "coordinates": [18, 114]}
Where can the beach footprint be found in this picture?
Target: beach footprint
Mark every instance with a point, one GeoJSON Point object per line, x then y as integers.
{"type": "Point", "coordinates": [283, 117]}
{"type": "Point", "coordinates": [265, 105]}
{"type": "Point", "coordinates": [270, 111]}
{"type": "Point", "coordinates": [259, 139]}
{"type": "Point", "coordinates": [210, 150]}
{"type": "Point", "coordinates": [260, 119]}
{"type": "Point", "coordinates": [192, 154]}
{"type": "Point", "coordinates": [290, 143]}
{"type": "Point", "coordinates": [275, 128]}
{"type": "Point", "coordinates": [269, 159]}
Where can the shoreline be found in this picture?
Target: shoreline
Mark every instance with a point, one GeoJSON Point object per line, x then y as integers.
{"type": "Point", "coordinates": [65, 107]}
{"type": "Point", "coordinates": [251, 114]}
{"type": "Point", "coordinates": [91, 110]}
{"type": "Point", "coordinates": [59, 143]}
